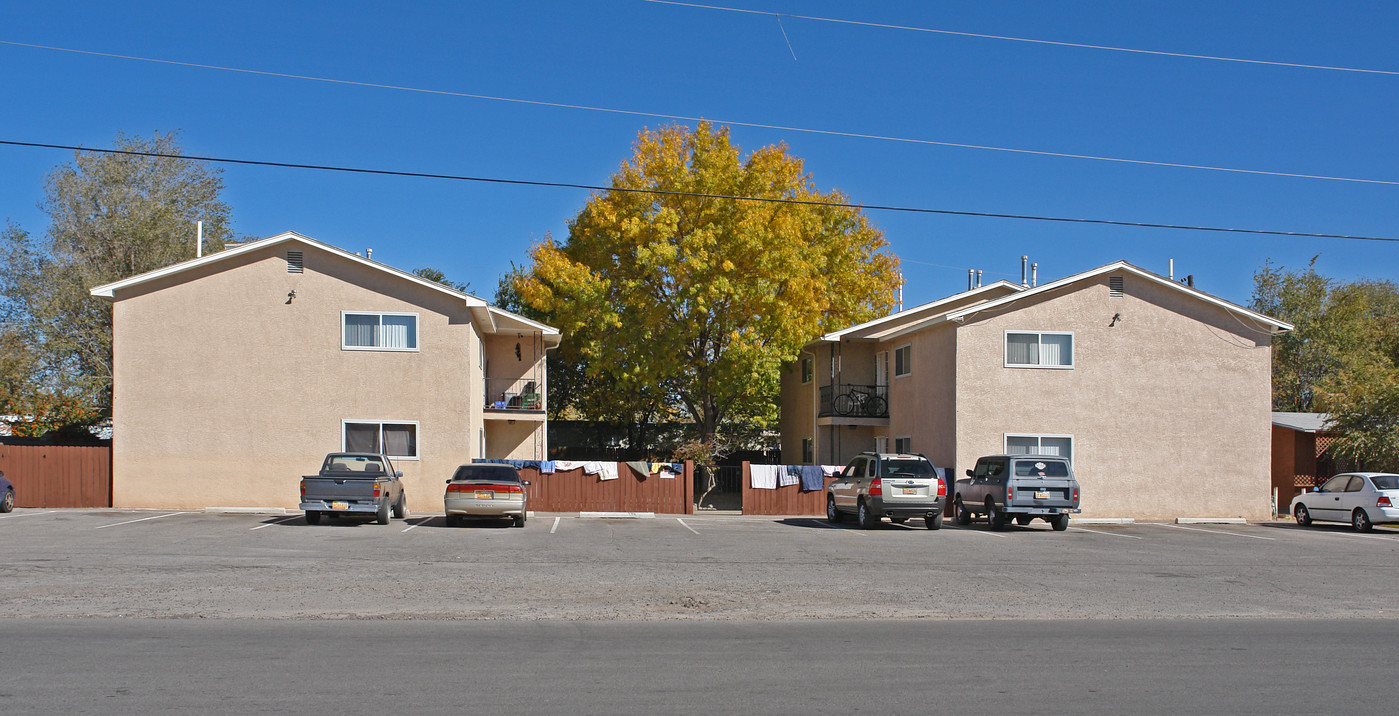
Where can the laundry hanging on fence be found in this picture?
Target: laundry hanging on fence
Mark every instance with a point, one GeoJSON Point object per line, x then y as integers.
{"type": "Point", "coordinates": [790, 475]}
{"type": "Point", "coordinates": [607, 470]}
{"type": "Point", "coordinates": [640, 467]}
{"type": "Point", "coordinates": [568, 465]}
{"type": "Point", "coordinates": [764, 477]}
{"type": "Point", "coordinates": [831, 470]}
{"type": "Point", "coordinates": [546, 467]}
{"type": "Point", "coordinates": [813, 478]}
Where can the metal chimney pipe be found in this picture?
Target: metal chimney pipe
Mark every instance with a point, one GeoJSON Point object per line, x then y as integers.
{"type": "Point", "coordinates": [369, 253]}
{"type": "Point", "coordinates": [901, 292]}
{"type": "Point", "coordinates": [1171, 272]}
{"type": "Point", "coordinates": [971, 279]}
{"type": "Point", "coordinates": [978, 278]}
{"type": "Point", "coordinates": [1034, 274]}
{"type": "Point", "coordinates": [1024, 263]}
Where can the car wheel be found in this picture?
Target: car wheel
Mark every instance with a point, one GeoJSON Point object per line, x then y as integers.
{"type": "Point", "coordinates": [519, 520]}
{"type": "Point", "coordinates": [1023, 520]}
{"type": "Point", "coordinates": [1304, 517]}
{"type": "Point", "coordinates": [866, 517]}
{"type": "Point", "coordinates": [382, 515]}
{"type": "Point", "coordinates": [400, 508]}
{"type": "Point", "coordinates": [964, 517]}
{"type": "Point", "coordinates": [7, 503]}
{"type": "Point", "coordinates": [833, 515]}
{"type": "Point", "coordinates": [453, 520]}
{"type": "Point", "coordinates": [313, 517]}
{"type": "Point", "coordinates": [995, 516]}
{"type": "Point", "coordinates": [1360, 520]}
{"type": "Point", "coordinates": [933, 520]}
{"type": "Point", "coordinates": [1059, 522]}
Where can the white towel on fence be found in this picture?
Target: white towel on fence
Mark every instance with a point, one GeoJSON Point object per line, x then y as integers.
{"type": "Point", "coordinates": [764, 477]}
{"type": "Point", "coordinates": [831, 469]}
{"type": "Point", "coordinates": [567, 465]}
{"type": "Point", "coordinates": [608, 469]}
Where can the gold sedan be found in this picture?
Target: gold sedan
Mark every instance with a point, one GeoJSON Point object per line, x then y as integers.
{"type": "Point", "coordinates": [486, 490]}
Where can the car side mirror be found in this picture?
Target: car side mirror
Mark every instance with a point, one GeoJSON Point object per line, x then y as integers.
{"type": "Point", "coordinates": [970, 473]}
{"type": "Point", "coordinates": [449, 481]}
{"type": "Point", "coordinates": [527, 483]}
{"type": "Point", "coordinates": [398, 474]}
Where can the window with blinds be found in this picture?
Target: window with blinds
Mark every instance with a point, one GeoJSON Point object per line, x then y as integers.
{"type": "Point", "coordinates": [379, 331]}
{"type": "Point", "coordinates": [1057, 445]}
{"type": "Point", "coordinates": [1040, 349]}
{"type": "Point", "coordinates": [397, 439]}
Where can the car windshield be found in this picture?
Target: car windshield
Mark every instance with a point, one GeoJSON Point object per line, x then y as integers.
{"type": "Point", "coordinates": [1385, 482]}
{"type": "Point", "coordinates": [917, 468]}
{"type": "Point", "coordinates": [368, 464]}
{"type": "Point", "coordinates": [1041, 468]}
{"type": "Point", "coordinates": [493, 473]}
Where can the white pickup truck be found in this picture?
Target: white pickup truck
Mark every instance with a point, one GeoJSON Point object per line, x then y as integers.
{"type": "Point", "coordinates": [1021, 487]}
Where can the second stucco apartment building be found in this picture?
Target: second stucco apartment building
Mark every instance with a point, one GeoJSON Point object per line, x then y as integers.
{"type": "Point", "coordinates": [1159, 393]}
{"type": "Point", "coordinates": [235, 373]}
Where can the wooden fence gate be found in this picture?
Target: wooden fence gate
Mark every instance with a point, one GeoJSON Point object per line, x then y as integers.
{"type": "Point", "coordinates": [58, 476]}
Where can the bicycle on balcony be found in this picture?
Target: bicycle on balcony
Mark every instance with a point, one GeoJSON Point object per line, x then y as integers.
{"type": "Point", "coordinates": [858, 402]}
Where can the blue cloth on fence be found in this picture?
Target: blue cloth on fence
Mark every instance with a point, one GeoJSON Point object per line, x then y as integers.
{"type": "Point", "coordinates": [813, 478]}
{"type": "Point", "coordinates": [546, 467]}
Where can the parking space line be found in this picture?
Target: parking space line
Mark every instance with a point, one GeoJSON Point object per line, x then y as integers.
{"type": "Point", "coordinates": [682, 524]}
{"type": "Point", "coordinates": [27, 514]}
{"type": "Point", "coordinates": [1217, 532]}
{"type": "Point", "coordinates": [1098, 532]}
{"type": "Point", "coordinates": [977, 532]}
{"type": "Point", "coordinates": [424, 521]}
{"type": "Point", "coordinates": [143, 519]}
{"type": "Point", "coordinates": [1343, 535]}
{"type": "Point", "coordinates": [277, 522]}
{"type": "Point", "coordinates": [556, 525]}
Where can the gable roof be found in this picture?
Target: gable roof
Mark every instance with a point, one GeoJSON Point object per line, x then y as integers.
{"type": "Point", "coordinates": [489, 317]}
{"type": "Point", "coordinates": [918, 315]}
{"type": "Point", "coordinates": [1273, 324]}
{"type": "Point", "coordinates": [1302, 422]}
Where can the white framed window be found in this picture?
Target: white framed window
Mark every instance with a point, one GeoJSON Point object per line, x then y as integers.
{"type": "Point", "coordinates": [903, 444]}
{"type": "Point", "coordinates": [378, 331]}
{"type": "Point", "coordinates": [396, 438]}
{"type": "Point", "coordinates": [1058, 445]}
{"type": "Point", "coordinates": [881, 443]}
{"type": "Point", "coordinates": [808, 451]}
{"type": "Point", "coordinates": [808, 369]}
{"type": "Point", "coordinates": [1039, 349]}
{"type": "Point", "coordinates": [903, 361]}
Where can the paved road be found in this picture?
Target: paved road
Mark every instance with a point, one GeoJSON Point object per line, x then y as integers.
{"type": "Point", "coordinates": [1106, 667]}
{"type": "Point", "coordinates": [108, 563]}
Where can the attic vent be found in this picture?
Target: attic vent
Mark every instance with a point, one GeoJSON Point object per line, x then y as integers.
{"type": "Point", "coordinates": [293, 262]}
{"type": "Point", "coordinates": [1115, 286]}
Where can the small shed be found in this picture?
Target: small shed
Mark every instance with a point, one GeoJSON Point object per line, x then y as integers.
{"type": "Point", "coordinates": [1301, 453]}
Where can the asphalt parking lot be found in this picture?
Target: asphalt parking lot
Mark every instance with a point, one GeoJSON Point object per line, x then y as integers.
{"type": "Point", "coordinates": [109, 563]}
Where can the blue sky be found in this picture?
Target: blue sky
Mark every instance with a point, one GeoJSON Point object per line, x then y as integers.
{"type": "Point", "coordinates": [726, 66]}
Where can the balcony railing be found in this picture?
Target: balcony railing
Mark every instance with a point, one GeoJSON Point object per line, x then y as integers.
{"type": "Point", "coordinates": [854, 401]}
{"type": "Point", "coordinates": [514, 394]}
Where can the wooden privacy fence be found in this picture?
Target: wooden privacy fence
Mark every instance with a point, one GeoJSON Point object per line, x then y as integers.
{"type": "Point", "coordinates": [58, 476]}
{"type": "Point", "coordinates": [577, 491]}
{"type": "Point", "coordinates": [786, 500]}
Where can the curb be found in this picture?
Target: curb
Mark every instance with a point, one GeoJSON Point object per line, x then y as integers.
{"type": "Point", "coordinates": [618, 515]}
{"type": "Point", "coordinates": [1211, 521]}
{"type": "Point", "coordinates": [245, 510]}
{"type": "Point", "coordinates": [1103, 521]}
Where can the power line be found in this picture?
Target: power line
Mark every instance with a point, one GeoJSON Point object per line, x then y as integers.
{"type": "Point", "coordinates": [700, 195]}
{"type": "Point", "coordinates": [1010, 38]}
{"type": "Point", "coordinates": [730, 122]}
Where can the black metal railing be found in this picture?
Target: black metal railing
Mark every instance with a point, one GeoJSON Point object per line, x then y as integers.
{"type": "Point", "coordinates": [514, 394]}
{"type": "Point", "coordinates": [855, 401]}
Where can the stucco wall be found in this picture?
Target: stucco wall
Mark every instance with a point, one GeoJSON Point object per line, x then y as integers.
{"type": "Point", "coordinates": [1168, 408]}
{"type": "Point", "coordinates": [798, 410]}
{"type": "Point", "coordinates": [225, 392]}
{"type": "Point", "coordinates": [923, 404]}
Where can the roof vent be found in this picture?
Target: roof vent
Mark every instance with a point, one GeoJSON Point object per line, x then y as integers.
{"type": "Point", "coordinates": [294, 262]}
{"type": "Point", "coordinates": [1115, 286]}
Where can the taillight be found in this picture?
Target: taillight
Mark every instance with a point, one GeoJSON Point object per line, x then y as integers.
{"type": "Point", "coordinates": [942, 488]}
{"type": "Point", "coordinates": [1075, 494]}
{"type": "Point", "coordinates": [458, 487]}
{"type": "Point", "coordinates": [303, 488]}
{"type": "Point", "coordinates": [877, 487]}
{"type": "Point", "coordinates": [1383, 501]}
{"type": "Point", "coordinates": [377, 487]}
{"type": "Point", "coordinates": [1010, 493]}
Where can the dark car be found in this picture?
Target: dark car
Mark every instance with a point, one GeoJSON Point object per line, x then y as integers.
{"type": "Point", "coordinates": [7, 494]}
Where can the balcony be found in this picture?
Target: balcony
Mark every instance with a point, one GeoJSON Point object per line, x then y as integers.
{"type": "Point", "coordinates": [854, 401]}
{"type": "Point", "coordinates": [511, 398]}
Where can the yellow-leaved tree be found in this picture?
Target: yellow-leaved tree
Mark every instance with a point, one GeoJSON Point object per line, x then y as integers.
{"type": "Point", "coordinates": [670, 289]}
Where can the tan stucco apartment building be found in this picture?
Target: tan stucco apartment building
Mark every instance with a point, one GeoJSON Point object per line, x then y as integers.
{"type": "Point", "coordinates": [235, 373]}
{"type": "Point", "coordinates": [1158, 392]}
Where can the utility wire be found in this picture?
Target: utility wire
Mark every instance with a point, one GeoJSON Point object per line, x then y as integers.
{"type": "Point", "coordinates": [730, 122]}
{"type": "Point", "coordinates": [700, 195]}
{"type": "Point", "coordinates": [1010, 38]}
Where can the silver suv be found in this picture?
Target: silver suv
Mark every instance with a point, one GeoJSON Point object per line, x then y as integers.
{"type": "Point", "coordinates": [897, 486]}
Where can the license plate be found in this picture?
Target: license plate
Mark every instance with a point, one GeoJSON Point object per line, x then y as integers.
{"type": "Point", "coordinates": [485, 495]}
{"type": "Point", "coordinates": [1042, 495]}
{"type": "Point", "coordinates": [910, 490]}
{"type": "Point", "coordinates": [339, 505]}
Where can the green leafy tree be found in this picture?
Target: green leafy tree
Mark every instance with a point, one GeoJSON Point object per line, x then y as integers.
{"type": "Point", "coordinates": [433, 274]}
{"type": "Point", "coordinates": [110, 216]}
{"type": "Point", "coordinates": [671, 294]}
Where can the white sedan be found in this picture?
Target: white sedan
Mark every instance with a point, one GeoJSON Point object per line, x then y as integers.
{"type": "Point", "coordinates": [1363, 499]}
